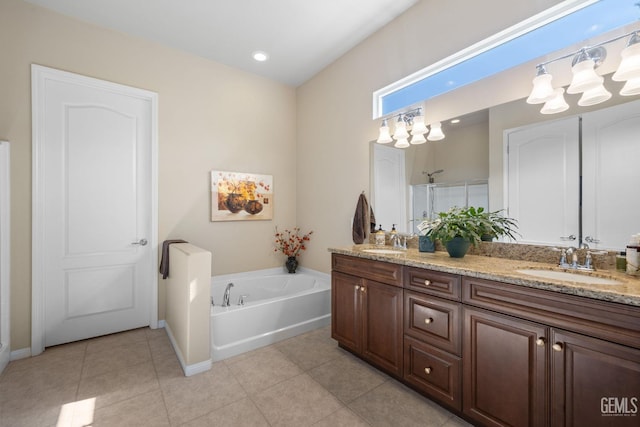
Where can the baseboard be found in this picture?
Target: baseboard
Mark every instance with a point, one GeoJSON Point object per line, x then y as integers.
{"type": "Point", "coordinates": [187, 369]}
{"type": "Point", "coordinates": [161, 324]}
{"type": "Point", "coordinates": [22, 353]}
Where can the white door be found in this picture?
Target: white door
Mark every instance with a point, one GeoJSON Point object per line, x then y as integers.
{"type": "Point", "coordinates": [611, 173]}
{"type": "Point", "coordinates": [389, 201]}
{"type": "Point", "coordinates": [543, 179]}
{"type": "Point", "coordinates": [94, 241]}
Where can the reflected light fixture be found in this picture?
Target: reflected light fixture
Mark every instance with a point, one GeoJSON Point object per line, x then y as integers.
{"type": "Point", "coordinates": [585, 79]}
{"type": "Point", "coordinates": [436, 133]}
{"type": "Point", "coordinates": [409, 124]}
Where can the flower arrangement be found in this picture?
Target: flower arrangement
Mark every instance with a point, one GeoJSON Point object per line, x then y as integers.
{"type": "Point", "coordinates": [290, 243]}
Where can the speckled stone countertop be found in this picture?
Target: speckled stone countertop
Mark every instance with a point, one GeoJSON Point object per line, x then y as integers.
{"type": "Point", "coordinates": [505, 270]}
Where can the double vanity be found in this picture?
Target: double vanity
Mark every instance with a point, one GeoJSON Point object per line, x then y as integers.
{"type": "Point", "coordinates": [499, 341]}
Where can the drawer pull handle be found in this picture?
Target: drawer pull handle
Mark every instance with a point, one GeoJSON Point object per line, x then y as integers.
{"type": "Point", "coordinates": [540, 342]}
{"type": "Point", "coordinates": [557, 346]}
{"type": "Point", "coordinates": [427, 371]}
{"type": "Point", "coordinates": [427, 282]}
{"type": "Point", "coordinates": [428, 320]}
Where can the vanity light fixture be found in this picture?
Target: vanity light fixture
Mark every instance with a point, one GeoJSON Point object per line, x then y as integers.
{"type": "Point", "coordinates": [585, 78]}
{"type": "Point", "coordinates": [409, 124]}
{"type": "Point", "coordinates": [631, 87]}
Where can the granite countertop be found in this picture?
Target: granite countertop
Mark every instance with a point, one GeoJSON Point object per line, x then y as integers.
{"type": "Point", "coordinates": [505, 270]}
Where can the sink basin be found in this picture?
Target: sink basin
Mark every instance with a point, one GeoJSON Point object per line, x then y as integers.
{"type": "Point", "coordinates": [569, 277]}
{"type": "Point", "coordinates": [383, 251]}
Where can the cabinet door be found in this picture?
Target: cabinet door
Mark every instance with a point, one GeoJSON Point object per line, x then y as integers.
{"type": "Point", "coordinates": [346, 321]}
{"type": "Point", "coordinates": [504, 370]}
{"type": "Point", "coordinates": [594, 382]}
{"type": "Point", "coordinates": [382, 317]}
{"type": "Point", "coordinates": [543, 181]}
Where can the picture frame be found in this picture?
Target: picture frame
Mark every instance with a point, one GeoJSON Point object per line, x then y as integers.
{"type": "Point", "coordinates": [241, 196]}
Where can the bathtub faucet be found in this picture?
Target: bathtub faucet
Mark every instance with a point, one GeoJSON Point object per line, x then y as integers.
{"type": "Point", "coordinates": [227, 295]}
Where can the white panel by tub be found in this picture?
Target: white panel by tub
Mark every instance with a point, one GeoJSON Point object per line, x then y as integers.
{"type": "Point", "coordinates": [5, 346]}
{"type": "Point", "coordinates": [188, 299]}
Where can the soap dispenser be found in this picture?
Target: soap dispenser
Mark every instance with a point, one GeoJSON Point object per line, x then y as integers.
{"type": "Point", "coordinates": [380, 236]}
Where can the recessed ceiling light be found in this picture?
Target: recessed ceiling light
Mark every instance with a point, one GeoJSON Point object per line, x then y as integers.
{"type": "Point", "coordinates": [260, 56]}
{"type": "Point", "coordinates": [455, 121]}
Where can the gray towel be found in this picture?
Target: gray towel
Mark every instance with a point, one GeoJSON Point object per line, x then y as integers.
{"type": "Point", "coordinates": [164, 261]}
{"type": "Point", "coordinates": [361, 220]}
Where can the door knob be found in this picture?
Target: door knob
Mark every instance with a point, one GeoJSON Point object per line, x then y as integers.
{"type": "Point", "coordinates": [540, 342]}
{"type": "Point", "coordinates": [557, 346]}
{"type": "Point", "coordinates": [141, 242]}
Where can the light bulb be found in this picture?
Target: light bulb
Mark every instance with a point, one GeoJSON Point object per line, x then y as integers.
{"type": "Point", "coordinates": [418, 128]}
{"type": "Point", "coordinates": [401, 129]}
{"type": "Point", "coordinates": [629, 67]}
{"type": "Point", "coordinates": [436, 133]}
{"type": "Point", "coordinates": [555, 105]}
{"type": "Point", "coordinates": [594, 96]}
{"type": "Point", "coordinates": [631, 87]}
{"type": "Point", "coordinates": [584, 77]}
{"type": "Point", "coordinates": [542, 90]}
{"type": "Point", "coordinates": [418, 138]}
{"type": "Point", "coordinates": [401, 143]}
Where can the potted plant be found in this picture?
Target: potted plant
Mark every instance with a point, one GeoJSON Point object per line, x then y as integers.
{"type": "Point", "coordinates": [458, 228]}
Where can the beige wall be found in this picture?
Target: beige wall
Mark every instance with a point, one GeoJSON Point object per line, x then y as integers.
{"type": "Point", "coordinates": [334, 108]}
{"type": "Point", "coordinates": [210, 117]}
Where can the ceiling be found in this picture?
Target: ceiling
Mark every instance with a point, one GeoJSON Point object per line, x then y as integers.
{"type": "Point", "coordinates": [301, 37]}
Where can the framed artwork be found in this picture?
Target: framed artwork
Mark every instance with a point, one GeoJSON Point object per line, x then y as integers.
{"type": "Point", "coordinates": [239, 196]}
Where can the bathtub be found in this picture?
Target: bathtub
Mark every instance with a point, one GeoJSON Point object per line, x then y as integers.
{"type": "Point", "coordinates": [276, 306]}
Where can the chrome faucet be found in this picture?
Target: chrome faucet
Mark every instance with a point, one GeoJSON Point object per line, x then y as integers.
{"type": "Point", "coordinates": [227, 295]}
{"type": "Point", "coordinates": [573, 253]}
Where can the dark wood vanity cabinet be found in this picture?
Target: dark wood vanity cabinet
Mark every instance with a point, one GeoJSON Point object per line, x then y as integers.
{"type": "Point", "coordinates": [432, 336]}
{"type": "Point", "coordinates": [367, 314]}
{"type": "Point", "coordinates": [530, 370]}
{"type": "Point", "coordinates": [498, 354]}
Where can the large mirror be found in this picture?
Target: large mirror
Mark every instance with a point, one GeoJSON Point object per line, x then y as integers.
{"type": "Point", "coordinates": [474, 149]}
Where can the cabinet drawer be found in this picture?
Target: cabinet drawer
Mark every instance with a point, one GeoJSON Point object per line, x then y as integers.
{"type": "Point", "coordinates": [601, 319]}
{"type": "Point", "coordinates": [433, 320]}
{"type": "Point", "coordinates": [383, 272]}
{"type": "Point", "coordinates": [433, 371]}
{"type": "Point", "coordinates": [444, 285]}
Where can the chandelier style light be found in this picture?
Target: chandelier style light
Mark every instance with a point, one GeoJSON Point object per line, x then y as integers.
{"type": "Point", "coordinates": [585, 78]}
{"type": "Point", "coordinates": [410, 129]}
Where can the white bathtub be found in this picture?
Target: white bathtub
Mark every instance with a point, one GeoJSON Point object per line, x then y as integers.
{"type": "Point", "coordinates": [277, 306]}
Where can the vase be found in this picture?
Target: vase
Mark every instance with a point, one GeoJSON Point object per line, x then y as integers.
{"type": "Point", "coordinates": [235, 202]}
{"type": "Point", "coordinates": [425, 244]}
{"type": "Point", "coordinates": [253, 207]}
{"type": "Point", "coordinates": [458, 247]}
{"type": "Point", "coordinates": [291, 264]}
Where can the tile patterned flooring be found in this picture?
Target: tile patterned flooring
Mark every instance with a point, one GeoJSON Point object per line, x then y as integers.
{"type": "Point", "coordinates": [134, 379]}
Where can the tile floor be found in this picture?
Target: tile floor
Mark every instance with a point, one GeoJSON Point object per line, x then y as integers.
{"type": "Point", "coordinates": [134, 379]}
